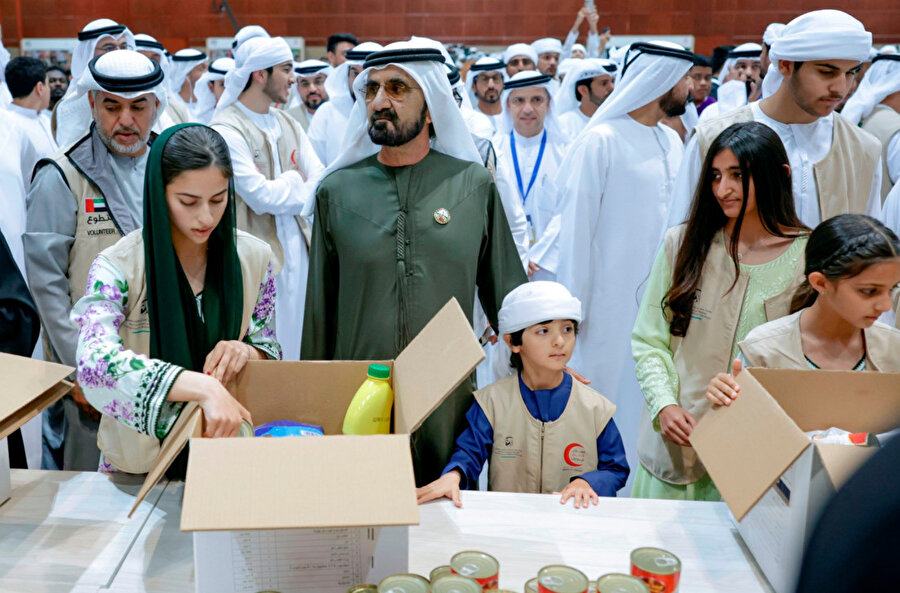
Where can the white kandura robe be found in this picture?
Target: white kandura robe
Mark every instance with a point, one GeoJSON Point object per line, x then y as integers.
{"type": "Point", "coordinates": [36, 126]}
{"type": "Point", "coordinates": [573, 123]}
{"type": "Point", "coordinates": [18, 159]}
{"type": "Point", "coordinates": [284, 197]}
{"type": "Point", "coordinates": [540, 205]}
{"type": "Point", "coordinates": [616, 182]}
{"type": "Point", "coordinates": [805, 144]}
{"type": "Point", "coordinates": [326, 130]}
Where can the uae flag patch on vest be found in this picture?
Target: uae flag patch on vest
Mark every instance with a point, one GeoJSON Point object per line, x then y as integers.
{"type": "Point", "coordinates": [95, 205]}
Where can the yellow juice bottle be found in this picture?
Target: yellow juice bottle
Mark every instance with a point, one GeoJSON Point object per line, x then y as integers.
{"type": "Point", "coordinates": [370, 410]}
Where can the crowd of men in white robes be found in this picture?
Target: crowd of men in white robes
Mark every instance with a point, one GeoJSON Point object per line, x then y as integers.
{"type": "Point", "coordinates": [595, 150]}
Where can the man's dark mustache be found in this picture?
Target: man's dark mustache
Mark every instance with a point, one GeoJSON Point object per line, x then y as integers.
{"type": "Point", "coordinates": [389, 113]}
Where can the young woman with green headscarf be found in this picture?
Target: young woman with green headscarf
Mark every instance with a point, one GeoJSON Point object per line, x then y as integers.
{"type": "Point", "coordinates": [173, 311]}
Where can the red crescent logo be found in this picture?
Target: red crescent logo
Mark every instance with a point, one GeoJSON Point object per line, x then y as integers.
{"type": "Point", "coordinates": [567, 455]}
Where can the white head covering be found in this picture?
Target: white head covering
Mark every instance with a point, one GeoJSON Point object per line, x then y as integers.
{"type": "Point", "coordinates": [309, 68]}
{"type": "Point", "coordinates": [547, 45]}
{"type": "Point", "coordinates": [125, 74]}
{"type": "Point", "coordinates": [617, 55]}
{"type": "Point", "coordinates": [452, 136]}
{"type": "Point", "coordinates": [565, 66]}
{"type": "Point", "coordinates": [336, 84]}
{"type": "Point", "coordinates": [533, 302]}
{"type": "Point", "coordinates": [482, 65]}
{"type": "Point", "coordinates": [882, 79]}
{"type": "Point", "coordinates": [817, 35]}
{"type": "Point", "coordinates": [206, 100]}
{"type": "Point", "coordinates": [252, 55]}
{"type": "Point", "coordinates": [887, 50]}
{"type": "Point", "coordinates": [520, 49]}
{"type": "Point", "coordinates": [4, 60]}
{"type": "Point", "coordinates": [579, 47]}
{"type": "Point", "coordinates": [583, 69]}
{"type": "Point", "coordinates": [772, 32]}
{"type": "Point", "coordinates": [745, 51]}
{"type": "Point", "coordinates": [521, 80]}
{"type": "Point", "coordinates": [88, 37]}
{"type": "Point", "coordinates": [644, 77]}
{"type": "Point", "coordinates": [247, 33]}
{"type": "Point", "coordinates": [183, 61]}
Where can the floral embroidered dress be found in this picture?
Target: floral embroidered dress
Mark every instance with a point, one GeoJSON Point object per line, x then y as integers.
{"type": "Point", "coordinates": [132, 387]}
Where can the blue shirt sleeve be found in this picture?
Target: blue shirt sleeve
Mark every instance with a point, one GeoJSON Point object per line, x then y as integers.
{"type": "Point", "coordinates": [612, 467]}
{"type": "Point", "coordinates": [473, 447]}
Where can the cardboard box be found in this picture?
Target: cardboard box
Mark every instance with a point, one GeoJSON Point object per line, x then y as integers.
{"type": "Point", "coordinates": [317, 513]}
{"type": "Point", "coordinates": [29, 387]}
{"type": "Point", "coordinates": [773, 478]}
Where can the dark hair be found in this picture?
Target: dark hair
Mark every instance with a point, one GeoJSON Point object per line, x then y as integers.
{"type": "Point", "coordinates": [58, 69]}
{"type": "Point", "coordinates": [719, 55]}
{"type": "Point", "coordinates": [333, 40]}
{"type": "Point", "coordinates": [762, 158]}
{"type": "Point", "coordinates": [23, 74]}
{"type": "Point", "coordinates": [192, 148]}
{"type": "Point", "coordinates": [843, 247]}
{"type": "Point", "coordinates": [583, 82]}
{"type": "Point", "coordinates": [270, 70]}
{"type": "Point", "coordinates": [515, 338]}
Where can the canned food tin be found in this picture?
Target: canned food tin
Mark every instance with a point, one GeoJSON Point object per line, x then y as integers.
{"type": "Point", "coordinates": [658, 568]}
{"type": "Point", "coordinates": [557, 578]}
{"type": "Point", "coordinates": [455, 583]}
{"type": "Point", "coordinates": [246, 429]}
{"type": "Point", "coordinates": [403, 583]}
{"type": "Point", "coordinates": [482, 567]}
{"type": "Point", "coordinates": [592, 586]}
{"type": "Point", "coordinates": [439, 572]}
{"type": "Point", "coordinates": [363, 589]}
{"type": "Point", "coordinates": [531, 586]}
{"type": "Point", "coordinates": [620, 583]}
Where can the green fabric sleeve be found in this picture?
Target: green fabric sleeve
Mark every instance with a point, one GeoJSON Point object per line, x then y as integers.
{"type": "Point", "coordinates": [650, 342]}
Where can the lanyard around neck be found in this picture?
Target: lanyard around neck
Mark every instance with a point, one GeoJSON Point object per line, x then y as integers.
{"type": "Point", "coordinates": [537, 164]}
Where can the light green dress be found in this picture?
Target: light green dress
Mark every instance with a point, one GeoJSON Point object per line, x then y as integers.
{"type": "Point", "coordinates": [655, 366]}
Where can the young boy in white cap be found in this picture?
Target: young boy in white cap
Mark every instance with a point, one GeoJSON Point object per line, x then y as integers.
{"type": "Point", "coordinates": [540, 430]}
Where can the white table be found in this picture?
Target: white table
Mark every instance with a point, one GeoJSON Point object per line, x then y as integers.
{"type": "Point", "coordinates": [68, 531]}
{"type": "Point", "coordinates": [524, 532]}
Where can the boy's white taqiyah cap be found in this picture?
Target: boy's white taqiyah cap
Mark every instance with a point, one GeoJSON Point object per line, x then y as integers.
{"type": "Point", "coordinates": [534, 302]}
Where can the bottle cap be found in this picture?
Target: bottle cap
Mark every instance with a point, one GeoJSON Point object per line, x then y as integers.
{"type": "Point", "coordinates": [379, 371]}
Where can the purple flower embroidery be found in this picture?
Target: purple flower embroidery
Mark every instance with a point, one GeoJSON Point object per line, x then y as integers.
{"type": "Point", "coordinates": [266, 303]}
{"type": "Point", "coordinates": [96, 376]}
{"type": "Point", "coordinates": [111, 292]}
{"type": "Point", "coordinates": [106, 467]}
{"type": "Point", "coordinates": [123, 411]}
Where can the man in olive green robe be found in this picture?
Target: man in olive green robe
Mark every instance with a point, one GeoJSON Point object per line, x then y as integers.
{"type": "Point", "coordinates": [401, 229]}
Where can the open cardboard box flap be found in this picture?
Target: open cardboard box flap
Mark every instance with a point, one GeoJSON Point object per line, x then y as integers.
{"type": "Point", "coordinates": [336, 481]}
{"type": "Point", "coordinates": [440, 357]}
{"type": "Point", "coordinates": [748, 445]}
{"type": "Point", "coordinates": [29, 387]}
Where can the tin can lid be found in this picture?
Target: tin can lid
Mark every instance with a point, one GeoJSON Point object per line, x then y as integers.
{"type": "Point", "coordinates": [403, 583]}
{"type": "Point", "coordinates": [656, 561]}
{"type": "Point", "coordinates": [455, 583]}
{"type": "Point", "coordinates": [477, 565]}
{"type": "Point", "coordinates": [621, 583]}
{"type": "Point", "coordinates": [438, 572]}
{"type": "Point", "coordinates": [363, 589]}
{"type": "Point", "coordinates": [246, 429]}
{"type": "Point", "coordinates": [531, 586]}
{"type": "Point", "coordinates": [562, 579]}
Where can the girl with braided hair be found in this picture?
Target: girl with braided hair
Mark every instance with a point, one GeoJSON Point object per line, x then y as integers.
{"type": "Point", "coordinates": [852, 270]}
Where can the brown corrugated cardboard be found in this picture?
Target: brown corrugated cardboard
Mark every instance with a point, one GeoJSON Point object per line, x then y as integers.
{"type": "Point", "coordinates": [29, 387]}
{"type": "Point", "coordinates": [319, 392]}
{"type": "Point", "coordinates": [774, 480]}
{"type": "Point", "coordinates": [339, 481]}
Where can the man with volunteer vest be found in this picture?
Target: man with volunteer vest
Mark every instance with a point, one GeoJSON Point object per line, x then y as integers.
{"type": "Point", "coordinates": [835, 167]}
{"type": "Point", "coordinates": [272, 160]}
{"type": "Point", "coordinates": [82, 200]}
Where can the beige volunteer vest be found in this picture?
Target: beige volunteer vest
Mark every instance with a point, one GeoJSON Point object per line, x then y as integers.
{"type": "Point", "coordinates": [301, 115]}
{"type": "Point", "coordinates": [533, 456]}
{"type": "Point", "coordinates": [178, 111]}
{"type": "Point", "coordinates": [128, 450]}
{"type": "Point", "coordinates": [777, 345]}
{"type": "Point", "coordinates": [263, 225]}
{"type": "Point", "coordinates": [883, 123]}
{"type": "Point", "coordinates": [843, 177]}
{"type": "Point", "coordinates": [703, 353]}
